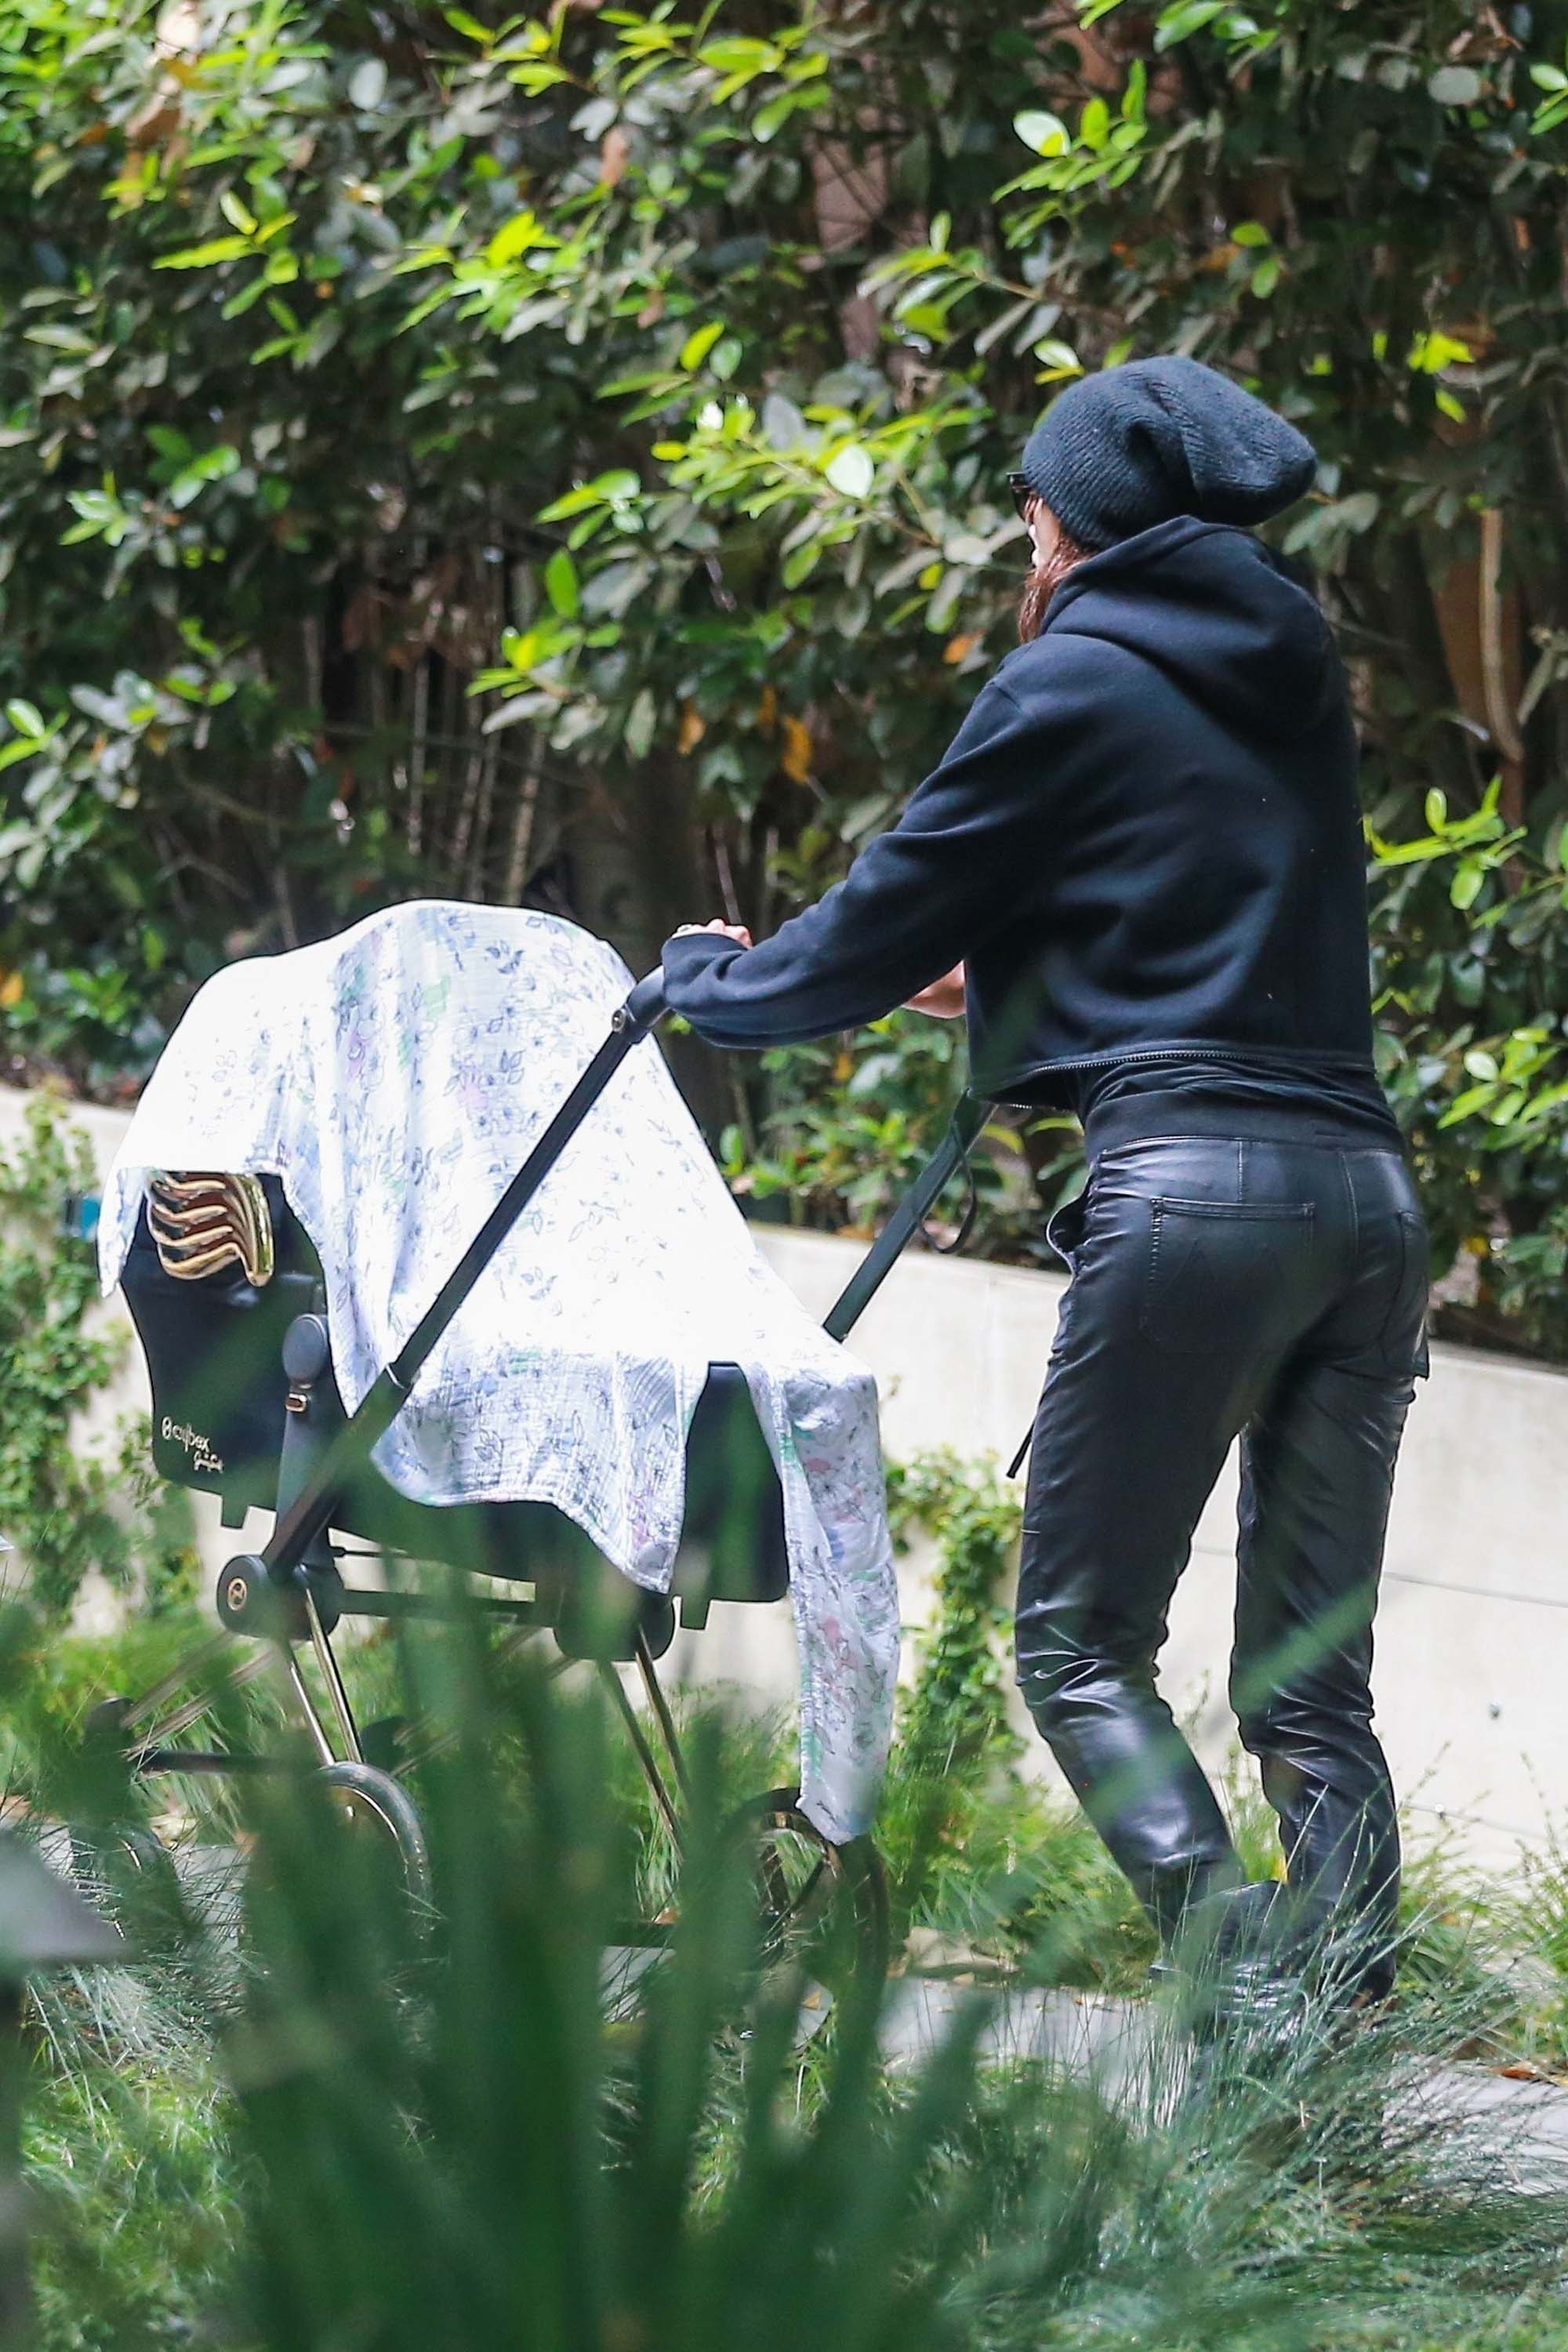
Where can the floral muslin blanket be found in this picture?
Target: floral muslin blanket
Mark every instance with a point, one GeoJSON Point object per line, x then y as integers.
{"type": "Point", "coordinates": [393, 1078]}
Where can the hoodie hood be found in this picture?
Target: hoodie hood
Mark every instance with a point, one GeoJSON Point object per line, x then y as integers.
{"type": "Point", "coordinates": [1218, 612]}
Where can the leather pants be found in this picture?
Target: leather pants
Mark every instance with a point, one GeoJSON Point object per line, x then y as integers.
{"type": "Point", "coordinates": [1274, 1289]}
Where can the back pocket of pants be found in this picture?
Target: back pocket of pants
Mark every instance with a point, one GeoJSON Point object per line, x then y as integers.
{"type": "Point", "coordinates": [1223, 1271]}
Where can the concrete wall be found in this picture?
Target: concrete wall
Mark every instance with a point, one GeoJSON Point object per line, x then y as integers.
{"type": "Point", "coordinates": [1473, 1637]}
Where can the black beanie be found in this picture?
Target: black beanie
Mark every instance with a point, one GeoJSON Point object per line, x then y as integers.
{"type": "Point", "coordinates": [1118, 452]}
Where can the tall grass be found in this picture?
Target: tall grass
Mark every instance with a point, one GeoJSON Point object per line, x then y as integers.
{"type": "Point", "coordinates": [376, 2131]}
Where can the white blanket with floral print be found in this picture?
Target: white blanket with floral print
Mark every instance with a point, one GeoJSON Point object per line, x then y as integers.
{"type": "Point", "coordinates": [393, 1078]}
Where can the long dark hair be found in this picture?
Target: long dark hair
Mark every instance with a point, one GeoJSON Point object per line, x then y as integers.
{"type": "Point", "coordinates": [1042, 582]}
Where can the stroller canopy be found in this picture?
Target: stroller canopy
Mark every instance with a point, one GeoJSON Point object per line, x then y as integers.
{"type": "Point", "coordinates": [393, 1079]}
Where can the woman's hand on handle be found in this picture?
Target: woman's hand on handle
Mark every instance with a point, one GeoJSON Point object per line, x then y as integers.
{"type": "Point", "coordinates": [736, 932]}
{"type": "Point", "coordinates": [944, 997]}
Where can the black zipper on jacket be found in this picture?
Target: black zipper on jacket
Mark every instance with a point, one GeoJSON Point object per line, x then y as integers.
{"type": "Point", "coordinates": [1112, 1059]}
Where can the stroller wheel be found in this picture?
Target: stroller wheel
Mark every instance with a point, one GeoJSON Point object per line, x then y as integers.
{"type": "Point", "coordinates": [822, 1904]}
{"type": "Point", "coordinates": [111, 1860]}
{"type": "Point", "coordinates": [377, 1806]}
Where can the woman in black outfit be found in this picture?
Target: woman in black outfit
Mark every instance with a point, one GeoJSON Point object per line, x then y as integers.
{"type": "Point", "coordinates": [1141, 862]}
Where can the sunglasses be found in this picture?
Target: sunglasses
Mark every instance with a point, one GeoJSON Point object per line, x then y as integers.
{"type": "Point", "coordinates": [1023, 493]}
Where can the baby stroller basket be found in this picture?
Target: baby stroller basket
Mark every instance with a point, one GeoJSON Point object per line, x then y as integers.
{"type": "Point", "coordinates": [220, 1278]}
{"type": "Point", "coordinates": [246, 1399]}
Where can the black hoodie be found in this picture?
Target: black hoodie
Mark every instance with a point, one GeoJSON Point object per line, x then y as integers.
{"type": "Point", "coordinates": [1145, 840]}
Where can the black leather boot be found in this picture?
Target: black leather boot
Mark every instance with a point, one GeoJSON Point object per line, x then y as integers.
{"type": "Point", "coordinates": [1237, 1959]}
{"type": "Point", "coordinates": [1234, 1968]}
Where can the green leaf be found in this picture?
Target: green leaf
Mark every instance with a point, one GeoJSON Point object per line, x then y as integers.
{"type": "Point", "coordinates": [212, 465]}
{"type": "Point", "coordinates": [1408, 853]}
{"type": "Point", "coordinates": [851, 472]}
{"type": "Point", "coordinates": [641, 720]}
{"type": "Point", "coordinates": [1435, 808]}
{"type": "Point", "coordinates": [1465, 1104]}
{"type": "Point", "coordinates": [1466, 885]}
{"type": "Point", "coordinates": [1455, 86]}
{"type": "Point", "coordinates": [1266, 277]}
{"type": "Point", "coordinates": [1251, 232]}
{"type": "Point", "coordinates": [1187, 16]}
{"type": "Point", "coordinates": [26, 718]}
{"type": "Point", "coordinates": [1013, 316]}
{"type": "Point", "coordinates": [1094, 124]}
{"type": "Point", "coordinates": [740, 53]}
{"type": "Point", "coordinates": [367, 85]}
{"type": "Point", "coordinates": [699, 343]}
{"type": "Point", "coordinates": [773, 117]}
{"type": "Point", "coordinates": [515, 237]}
{"type": "Point", "coordinates": [462, 22]}
{"type": "Point", "coordinates": [1042, 133]}
{"type": "Point", "coordinates": [1360, 511]}
{"type": "Point", "coordinates": [606, 489]}
{"type": "Point", "coordinates": [201, 257]}
{"type": "Point", "coordinates": [1057, 360]}
{"type": "Point", "coordinates": [799, 566]}
{"type": "Point", "coordinates": [784, 426]}
{"type": "Point", "coordinates": [1546, 77]}
{"type": "Point", "coordinates": [247, 297]}
{"type": "Point", "coordinates": [59, 339]}
{"type": "Point", "coordinates": [1430, 354]}
{"type": "Point", "coordinates": [561, 585]}
{"type": "Point", "coordinates": [536, 79]}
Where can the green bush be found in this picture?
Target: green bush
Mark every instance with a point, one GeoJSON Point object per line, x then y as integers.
{"type": "Point", "coordinates": [566, 456]}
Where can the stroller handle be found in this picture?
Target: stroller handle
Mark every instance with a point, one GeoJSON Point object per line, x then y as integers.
{"type": "Point", "coordinates": [911, 1213]}
{"type": "Point", "coordinates": [645, 1007]}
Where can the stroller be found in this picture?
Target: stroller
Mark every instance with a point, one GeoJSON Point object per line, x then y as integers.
{"type": "Point", "coordinates": [225, 1290]}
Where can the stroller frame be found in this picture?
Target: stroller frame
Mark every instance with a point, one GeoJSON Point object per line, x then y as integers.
{"type": "Point", "coordinates": [291, 1592]}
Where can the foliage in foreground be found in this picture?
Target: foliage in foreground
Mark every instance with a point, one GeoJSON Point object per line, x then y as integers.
{"type": "Point", "coordinates": [375, 2132]}
{"type": "Point", "coordinates": [133, 2165]}
{"type": "Point", "coordinates": [68, 1507]}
